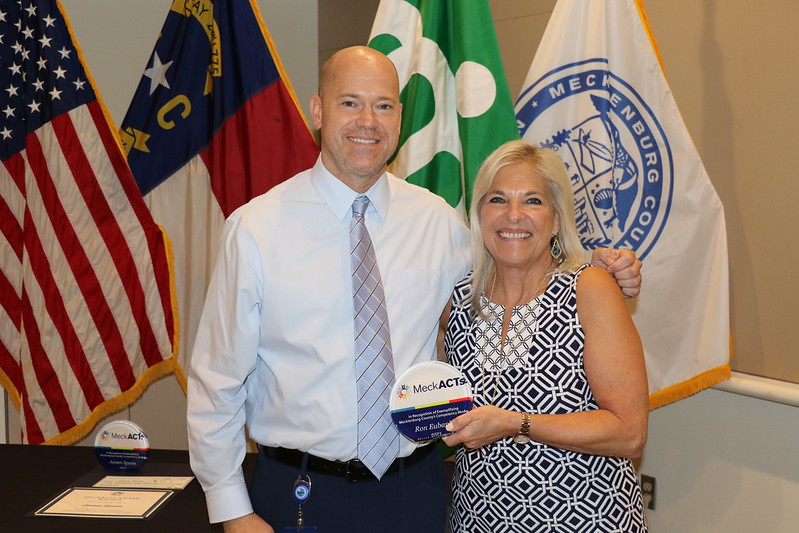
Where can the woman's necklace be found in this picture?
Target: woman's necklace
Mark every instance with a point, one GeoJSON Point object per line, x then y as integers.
{"type": "Point", "coordinates": [502, 347]}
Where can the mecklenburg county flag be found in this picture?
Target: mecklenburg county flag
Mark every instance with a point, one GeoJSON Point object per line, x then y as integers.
{"type": "Point", "coordinates": [214, 123]}
{"type": "Point", "coordinates": [596, 93]}
{"type": "Point", "coordinates": [456, 104]}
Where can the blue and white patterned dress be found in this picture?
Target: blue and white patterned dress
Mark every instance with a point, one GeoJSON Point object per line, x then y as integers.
{"type": "Point", "coordinates": [531, 488]}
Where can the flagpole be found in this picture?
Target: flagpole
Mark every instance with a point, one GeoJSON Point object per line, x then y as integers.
{"type": "Point", "coordinates": [4, 418]}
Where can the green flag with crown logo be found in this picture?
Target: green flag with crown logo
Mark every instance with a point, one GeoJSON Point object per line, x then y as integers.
{"type": "Point", "coordinates": [456, 105]}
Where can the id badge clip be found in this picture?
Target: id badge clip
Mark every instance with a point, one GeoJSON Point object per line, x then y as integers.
{"type": "Point", "coordinates": [302, 491]}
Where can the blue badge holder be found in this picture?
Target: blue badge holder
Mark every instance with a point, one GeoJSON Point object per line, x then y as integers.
{"type": "Point", "coordinates": [302, 491]}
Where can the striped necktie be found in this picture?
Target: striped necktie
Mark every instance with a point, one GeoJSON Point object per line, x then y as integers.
{"type": "Point", "coordinates": [378, 439]}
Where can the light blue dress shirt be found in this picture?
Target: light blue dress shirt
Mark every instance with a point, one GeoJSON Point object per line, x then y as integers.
{"type": "Point", "coordinates": [275, 342]}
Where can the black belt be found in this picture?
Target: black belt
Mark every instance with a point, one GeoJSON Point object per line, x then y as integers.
{"type": "Point", "coordinates": [352, 470]}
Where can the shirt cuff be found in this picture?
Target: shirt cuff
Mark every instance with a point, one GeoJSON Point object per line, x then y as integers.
{"type": "Point", "coordinates": [228, 503]}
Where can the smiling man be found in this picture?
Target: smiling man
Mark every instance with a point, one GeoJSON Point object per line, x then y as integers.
{"type": "Point", "coordinates": [276, 348]}
{"type": "Point", "coordinates": [287, 337]}
{"type": "Point", "coordinates": [358, 114]}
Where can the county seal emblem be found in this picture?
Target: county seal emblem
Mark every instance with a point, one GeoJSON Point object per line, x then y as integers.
{"type": "Point", "coordinates": [615, 151]}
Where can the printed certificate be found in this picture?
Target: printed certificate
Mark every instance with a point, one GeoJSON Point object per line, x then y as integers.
{"type": "Point", "coordinates": [145, 482]}
{"type": "Point", "coordinates": [91, 502]}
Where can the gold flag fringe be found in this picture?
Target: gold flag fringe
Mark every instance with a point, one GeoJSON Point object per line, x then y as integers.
{"type": "Point", "coordinates": [690, 387]}
{"type": "Point", "coordinates": [115, 404]}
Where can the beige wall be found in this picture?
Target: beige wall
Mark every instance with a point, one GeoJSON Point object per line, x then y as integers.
{"type": "Point", "coordinates": [344, 23]}
{"type": "Point", "coordinates": [724, 463]}
{"type": "Point", "coordinates": [732, 71]}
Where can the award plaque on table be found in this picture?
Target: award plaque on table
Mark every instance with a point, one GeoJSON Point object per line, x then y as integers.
{"type": "Point", "coordinates": [426, 397]}
{"type": "Point", "coordinates": [121, 446]}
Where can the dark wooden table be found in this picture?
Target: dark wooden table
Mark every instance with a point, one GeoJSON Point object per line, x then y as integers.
{"type": "Point", "coordinates": [30, 476]}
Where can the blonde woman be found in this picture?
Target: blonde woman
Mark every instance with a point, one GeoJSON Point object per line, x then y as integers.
{"type": "Point", "coordinates": [555, 363]}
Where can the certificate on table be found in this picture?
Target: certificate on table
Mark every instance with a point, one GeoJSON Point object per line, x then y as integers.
{"type": "Point", "coordinates": [92, 502]}
{"type": "Point", "coordinates": [145, 482]}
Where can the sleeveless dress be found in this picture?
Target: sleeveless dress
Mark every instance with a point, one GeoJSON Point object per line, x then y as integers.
{"type": "Point", "coordinates": [529, 488]}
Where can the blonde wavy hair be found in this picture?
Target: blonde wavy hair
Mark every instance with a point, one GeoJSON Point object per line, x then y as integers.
{"type": "Point", "coordinates": [547, 166]}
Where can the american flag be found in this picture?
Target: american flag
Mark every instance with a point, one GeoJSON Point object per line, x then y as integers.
{"type": "Point", "coordinates": [86, 300]}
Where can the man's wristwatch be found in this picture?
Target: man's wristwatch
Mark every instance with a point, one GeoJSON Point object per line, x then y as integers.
{"type": "Point", "coordinates": [523, 436]}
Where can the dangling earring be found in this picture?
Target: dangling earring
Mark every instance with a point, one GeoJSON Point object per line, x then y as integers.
{"type": "Point", "coordinates": [556, 250]}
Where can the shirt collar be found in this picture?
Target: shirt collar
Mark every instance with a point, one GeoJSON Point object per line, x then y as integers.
{"type": "Point", "coordinates": [339, 196]}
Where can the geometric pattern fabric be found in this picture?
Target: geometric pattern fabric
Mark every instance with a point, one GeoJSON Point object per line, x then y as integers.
{"type": "Point", "coordinates": [378, 439]}
{"type": "Point", "coordinates": [531, 488]}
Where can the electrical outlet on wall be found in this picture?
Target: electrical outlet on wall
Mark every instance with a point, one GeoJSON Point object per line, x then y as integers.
{"type": "Point", "coordinates": [648, 491]}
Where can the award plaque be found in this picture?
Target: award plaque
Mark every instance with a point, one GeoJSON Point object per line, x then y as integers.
{"type": "Point", "coordinates": [121, 446]}
{"type": "Point", "coordinates": [426, 397]}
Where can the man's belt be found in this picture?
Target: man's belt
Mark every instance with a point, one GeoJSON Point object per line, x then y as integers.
{"type": "Point", "coordinates": [352, 470]}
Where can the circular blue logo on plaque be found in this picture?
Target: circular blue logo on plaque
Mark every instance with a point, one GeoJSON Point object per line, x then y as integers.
{"type": "Point", "coordinates": [615, 151]}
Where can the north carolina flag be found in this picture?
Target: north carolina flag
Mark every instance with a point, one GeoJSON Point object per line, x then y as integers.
{"type": "Point", "coordinates": [213, 123]}
{"type": "Point", "coordinates": [596, 93]}
{"type": "Point", "coordinates": [86, 304]}
{"type": "Point", "coordinates": [457, 107]}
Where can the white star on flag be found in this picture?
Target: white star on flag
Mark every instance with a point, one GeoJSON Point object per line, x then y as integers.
{"type": "Point", "coordinates": [157, 73]}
